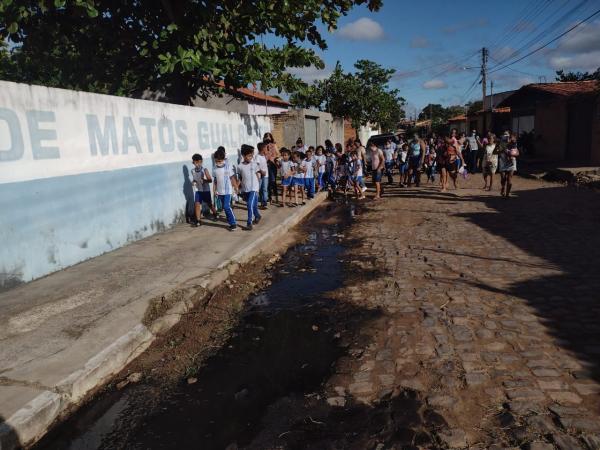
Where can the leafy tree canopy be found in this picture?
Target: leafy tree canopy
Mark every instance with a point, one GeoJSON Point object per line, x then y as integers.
{"type": "Point", "coordinates": [439, 113]}
{"type": "Point", "coordinates": [577, 76]}
{"type": "Point", "coordinates": [363, 96]}
{"type": "Point", "coordinates": [179, 47]}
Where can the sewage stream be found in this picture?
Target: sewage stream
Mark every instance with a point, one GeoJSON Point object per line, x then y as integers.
{"type": "Point", "coordinates": [284, 343]}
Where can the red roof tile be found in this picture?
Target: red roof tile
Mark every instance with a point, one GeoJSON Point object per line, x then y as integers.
{"type": "Point", "coordinates": [257, 95]}
{"type": "Point", "coordinates": [566, 88]}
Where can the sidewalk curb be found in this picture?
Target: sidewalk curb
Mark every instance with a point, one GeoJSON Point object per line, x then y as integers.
{"type": "Point", "coordinates": [33, 420]}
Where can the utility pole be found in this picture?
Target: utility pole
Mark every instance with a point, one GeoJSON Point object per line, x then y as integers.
{"type": "Point", "coordinates": [492, 106]}
{"type": "Point", "coordinates": [484, 59]}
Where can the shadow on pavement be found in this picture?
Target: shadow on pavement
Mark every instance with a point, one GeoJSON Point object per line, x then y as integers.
{"type": "Point", "coordinates": [9, 439]}
{"type": "Point", "coordinates": [561, 226]}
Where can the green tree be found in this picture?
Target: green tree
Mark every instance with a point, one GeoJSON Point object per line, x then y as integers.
{"type": "Point", "coordinates": [182, 48]}
{"type": "Point", "coordinates": [363, 96]}
{"type": "Point", "coordinates": [577, 76]}
{"type": "Point", "coordinates": [473, 107]}
{"type": "Point", "coordinates": [439, 114]}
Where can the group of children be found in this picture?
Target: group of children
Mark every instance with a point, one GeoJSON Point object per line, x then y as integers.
{"type": "Point", "coordinates": [304, 171]}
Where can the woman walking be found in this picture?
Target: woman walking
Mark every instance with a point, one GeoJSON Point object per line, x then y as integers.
{"type": "Point", "coordinates": [490, 162]}
{"type": "Point", "coordinates": [507, 163]}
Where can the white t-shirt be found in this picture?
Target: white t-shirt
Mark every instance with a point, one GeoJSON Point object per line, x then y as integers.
{"type": "Point", "coordinates": [321, 160]}
{"type": "Point", "coordinates": [298, 173]}
{"type": "Point", "coordinates": [222, 176]}
{"type": "Point", "coordinates": [286, 167]}
{"type": "Point", "coordinates": [388, 153]}
{"type": "Point", "coordinates": [247, 172]}
{"type": "Point", "coordinates": [262, 164]}
{"type": "Point", "coordinates": [473, 143]}
{"type": "Point", "coordinates": [309, 166]}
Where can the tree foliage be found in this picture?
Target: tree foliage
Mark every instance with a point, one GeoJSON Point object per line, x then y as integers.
{"type": "Point", "coordinates": [577, 76]}
{"type": "Point", "coordinates": [363, 96]}
{"type": "Point", "coordinates": [440, 114]}
{"type": "Point", "coordinates": [179, 47]}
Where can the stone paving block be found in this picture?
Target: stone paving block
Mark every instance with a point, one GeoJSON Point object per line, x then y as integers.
{"type": "Point", "coordinates": [453, 438]}
{"type": "Point", "coordinates": [552, 385]}
{"type": "Point", "coordinates": [524, 407]}
{"type": "Point", "coordinates": [580, 424]}
{"type": "Point", "coordinates": [441, 401]}
{"type": "Point", "coordinates": [546, 373]}
{"type": "Point", "coordinates": [364, 387]}
{"type": "Point", "coordinates": [412, 383]}
{"type": "Point", "coordinates": [495, 346]}
{"type": "Point", "coordinates": [565, 397]}
{"type": "Point", "coordinates": [592, 442]}
{"type": "Point", "coordinates": [566, 442]}
{"type": "Point", "coordinates": [484, 333]}
{"type": "Point", "coordinates": [540, 446]}
{"type": "Point", "coordinates": [541, 423]}
{"type": "Point", "coordinates": [525, 394]}
{"type": "Point", "coordinates": [387, 380]}
{"type": "Point", "coordinates": [475, 378]}
{"type": "Point", "coordinates": [587, 388]}
{"type": "Point", "coordinates": [540, 363]}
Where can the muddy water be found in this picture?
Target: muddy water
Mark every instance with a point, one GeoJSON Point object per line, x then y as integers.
{"type": "Point", "coordinates": [285, 343]}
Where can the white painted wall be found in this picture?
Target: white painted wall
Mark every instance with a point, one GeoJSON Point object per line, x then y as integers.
{"type": "Point", "coordinates": [82, 174]}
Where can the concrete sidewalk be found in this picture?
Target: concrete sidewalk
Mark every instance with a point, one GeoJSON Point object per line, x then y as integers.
{"type": "Point", "coordinates": [64, 335]}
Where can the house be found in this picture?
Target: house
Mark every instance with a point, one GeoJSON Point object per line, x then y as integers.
{"type": "Point", "coordinates": [310, 125]}
{"type": "Point", "coordinates": [244, 101]}
{"type": "Point", "coordinates": [564, 118]}
{"type": "Point", "coordinates": [459, 122]}
{"type": "Point", "coordinates": [496, 120]}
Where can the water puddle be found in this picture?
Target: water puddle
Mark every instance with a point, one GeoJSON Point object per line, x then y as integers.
{"type": "Point", "coordinates": [285, 343]}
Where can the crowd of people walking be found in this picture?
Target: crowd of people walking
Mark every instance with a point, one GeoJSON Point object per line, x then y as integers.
{"type": "Point", "coordinates": [288, 177]}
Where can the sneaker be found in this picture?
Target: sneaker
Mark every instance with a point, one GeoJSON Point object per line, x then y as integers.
{"type": "Point", "coordinates": [195, 224]}
{"type": "Point", "coordinates": [215, 216]}
{"type": "Point", "coordinates": [364, 189]}
{"type": "Point", "coordinates": [257, 220]}
{"type": "Point", "coordinates": [249, 227]}
{"type": "Point", "coordinates": [232, 227]}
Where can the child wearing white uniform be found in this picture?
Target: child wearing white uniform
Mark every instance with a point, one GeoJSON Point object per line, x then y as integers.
{"type": "Point", "coordinates": [249, 172]}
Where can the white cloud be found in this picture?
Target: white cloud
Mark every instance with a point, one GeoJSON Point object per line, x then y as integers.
{"type": "Point", "coordinates": [435, 84]}
{"type": "Point", "coordinates": [578, 50]}
{"type": "Point", "coordinates": [419, 42]}
{"type": "Point", "coordinates": [310, 74]}
{"type": "Point", "coordinates": [363, 29]}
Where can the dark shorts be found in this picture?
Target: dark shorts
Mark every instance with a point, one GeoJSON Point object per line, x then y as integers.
{"type": "Point", "coordinates": [377, 175]}
{"type": "Point", "coordinates": [414, 162]}
{"type": "Point", "coordinates": [451, 167]}
{"type": "Point", "coordinates": [203, 197]}
{"type": "Point", "coordinates": [286, 181]}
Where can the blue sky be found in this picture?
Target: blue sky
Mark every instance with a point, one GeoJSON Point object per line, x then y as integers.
{"type": "Point", "coordinates": [412, 37]}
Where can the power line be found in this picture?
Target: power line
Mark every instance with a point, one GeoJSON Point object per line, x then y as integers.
{"type": "Point", "coordinates": [496, 69]}
{"type": "Point", "coordinates": [515, 70]}
{"type": "Point", "coordinates": [522, 18]}
{"type": "Point", "coordinates": [555, 25]}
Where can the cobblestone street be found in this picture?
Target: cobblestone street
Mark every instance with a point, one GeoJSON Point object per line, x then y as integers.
{"type": "Point", "coordinates": [489, 315]}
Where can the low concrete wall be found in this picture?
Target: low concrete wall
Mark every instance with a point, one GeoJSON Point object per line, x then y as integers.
{"type": "Point", "coordinates": [82, 174]}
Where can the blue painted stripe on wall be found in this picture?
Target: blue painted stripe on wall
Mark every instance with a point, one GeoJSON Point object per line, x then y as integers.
{"type": "Point", "coordinates": [50, 224]}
